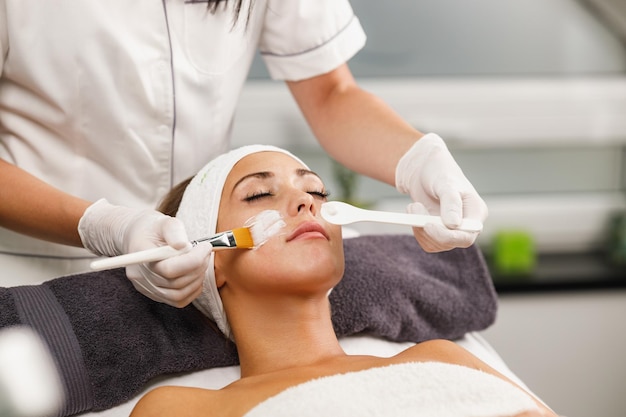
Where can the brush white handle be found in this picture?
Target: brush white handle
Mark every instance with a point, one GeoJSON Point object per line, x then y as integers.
{"type": "Point", "coordinates": [337, 212]}
{"type": "Point", "coordinates": [148, 255]}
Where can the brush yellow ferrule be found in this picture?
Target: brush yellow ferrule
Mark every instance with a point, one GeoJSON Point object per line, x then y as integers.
{"type": "Point", "coordinates": [237, 238]}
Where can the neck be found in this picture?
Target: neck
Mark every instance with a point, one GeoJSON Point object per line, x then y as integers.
{"type": "Point", "coordinates": [284, 334]}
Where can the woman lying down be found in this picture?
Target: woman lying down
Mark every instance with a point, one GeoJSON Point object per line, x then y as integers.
{"type": "Point", "coordinates": [273, 302]}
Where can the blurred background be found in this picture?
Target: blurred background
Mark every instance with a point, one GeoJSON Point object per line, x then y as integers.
{"type": "Point", "coordinates": [530, 96]}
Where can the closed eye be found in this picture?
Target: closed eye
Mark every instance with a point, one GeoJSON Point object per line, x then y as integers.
{"type": "Point", "coordinates": [320, 194]}
{"type": "Point", "coordinates": [257, 195]}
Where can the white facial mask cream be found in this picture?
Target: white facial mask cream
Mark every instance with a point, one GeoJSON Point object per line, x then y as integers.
{"type": "Point", "coordinates": [264, 226]}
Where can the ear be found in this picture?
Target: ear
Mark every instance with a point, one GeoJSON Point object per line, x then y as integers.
{"type": "Point", "coordinates": [220, 275]}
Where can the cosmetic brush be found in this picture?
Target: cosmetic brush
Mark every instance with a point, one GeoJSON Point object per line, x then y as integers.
{"type": "Point", "coordinates": [256, 232]}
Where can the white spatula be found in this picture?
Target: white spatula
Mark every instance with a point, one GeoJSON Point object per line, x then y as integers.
{"type": "Point", "coordinates": [337, 212]}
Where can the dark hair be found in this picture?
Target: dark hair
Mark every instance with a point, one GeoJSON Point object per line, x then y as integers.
{"type": "Point", "coordinates": [213, 5]}
{"type": "Point", "coordinates": [171, 201]}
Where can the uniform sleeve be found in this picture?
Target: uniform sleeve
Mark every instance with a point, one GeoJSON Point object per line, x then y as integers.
{"type": "Point", "coordinates": [305, 38]}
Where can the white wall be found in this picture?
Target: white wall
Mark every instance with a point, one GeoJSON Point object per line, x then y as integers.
{"type": "Point", "coordinates": [483, 38]}
{"type": "Point", "coordinates": [568, 348]}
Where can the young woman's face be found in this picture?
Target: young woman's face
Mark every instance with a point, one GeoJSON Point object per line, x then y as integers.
{"type": "Point", "coordinates": [307, 252]}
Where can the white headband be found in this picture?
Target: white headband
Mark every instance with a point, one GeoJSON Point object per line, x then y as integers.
{"type": "Point", "coordinates": [198, 211]}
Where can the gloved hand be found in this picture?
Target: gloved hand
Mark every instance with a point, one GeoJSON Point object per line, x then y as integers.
{"type": "Point", "coordinates": [110, 230]}
{"type": "Point", "coordinates": [436, 184]}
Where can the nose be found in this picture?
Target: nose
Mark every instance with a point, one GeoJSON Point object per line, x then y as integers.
{"type": "Point", "coordinates": [303, 202]}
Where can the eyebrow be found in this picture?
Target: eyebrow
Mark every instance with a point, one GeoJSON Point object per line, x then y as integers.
{"type": "Point", "coordinates": [262, 175]}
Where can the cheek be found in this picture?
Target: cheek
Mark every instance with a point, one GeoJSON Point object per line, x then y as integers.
{"type": "Point", "coordinates": [243, 268]}
{"type": "Point", "coordinates": [277, 261]}
{"type": "Point", "coordinates": [314, 260]}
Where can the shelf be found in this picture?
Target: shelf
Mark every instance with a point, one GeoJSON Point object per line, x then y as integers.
{"type": "Point", "coordinates": [565, 272]}
{"type": "Point", "coordinates": [469, 113]}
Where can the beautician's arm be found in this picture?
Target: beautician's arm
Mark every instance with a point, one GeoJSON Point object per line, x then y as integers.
{"type": "Point", "coordinates": [32, 207]}
{"type": "Point", "coordinates": [362, 132]}
{"type": "Point", "coordinates": [28, 205]}
{"type": "Point", "coordinates": [355, 127]}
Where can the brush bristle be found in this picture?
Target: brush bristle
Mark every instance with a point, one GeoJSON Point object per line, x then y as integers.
{"type": "Point", "coordinates": [243, 238]}
{"type": "Point", "coordinates": [265, 225]}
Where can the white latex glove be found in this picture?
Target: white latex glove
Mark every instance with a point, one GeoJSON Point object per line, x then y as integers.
{"type": "Point", "coordinates": [436, 184]}
{"type": "Point", "coordinates": [110, 230]}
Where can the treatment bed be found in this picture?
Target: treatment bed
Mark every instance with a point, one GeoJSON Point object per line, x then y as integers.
{"type": "Point", "coordinates": [112, 344]}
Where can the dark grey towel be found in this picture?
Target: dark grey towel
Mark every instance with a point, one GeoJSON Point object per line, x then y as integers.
{"type": "Point", "coordinates": [109, 340]}
{"type": "Point", "coordinates": [121, 338]}
{"type": "Point", "coordinates": [393, 289]}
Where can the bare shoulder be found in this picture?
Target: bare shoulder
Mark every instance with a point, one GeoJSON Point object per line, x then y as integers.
{"type": "Point", "coordinates": [233, 400]}
{"type": "Point", "coordinates": [439, 350]}
{"type": "Point", "coordinates": [176, 401]}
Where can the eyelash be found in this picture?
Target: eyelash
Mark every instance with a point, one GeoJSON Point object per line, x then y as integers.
{"type": "Point", "coordinates": [257, 195]}
{"type": "Point", "coordinates": [320, 194]}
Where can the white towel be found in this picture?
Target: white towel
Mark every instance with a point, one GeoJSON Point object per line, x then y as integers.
{"type": "Point", "coordinates": [428, 389]}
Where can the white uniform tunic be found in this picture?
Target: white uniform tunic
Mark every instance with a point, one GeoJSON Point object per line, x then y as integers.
{"type": "Point", "coordinates": [123, 99]}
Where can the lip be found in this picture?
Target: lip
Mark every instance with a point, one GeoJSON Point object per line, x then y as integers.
{"type": "Point", "coordinates": [308, 230]}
